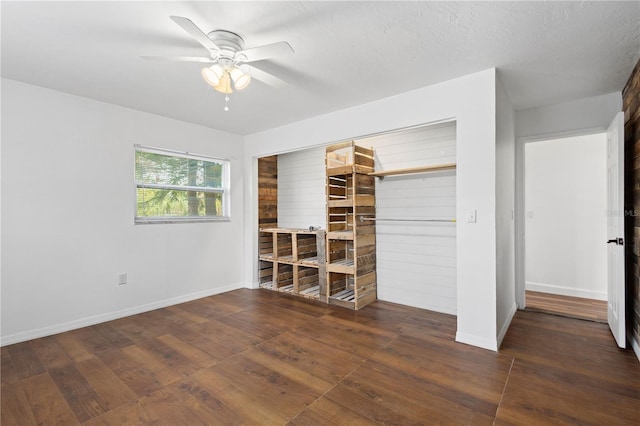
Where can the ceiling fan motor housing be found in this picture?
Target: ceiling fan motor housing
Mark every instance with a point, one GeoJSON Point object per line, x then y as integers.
{"type": "Point", "coordinates": [229, 42]}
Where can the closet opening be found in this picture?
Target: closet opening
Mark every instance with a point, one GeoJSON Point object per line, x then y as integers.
{"type": "Point", "coordinates": [412, 221]}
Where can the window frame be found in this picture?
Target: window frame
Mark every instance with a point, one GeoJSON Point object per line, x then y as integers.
{"type": "Point", "coordinates": [224, 190]}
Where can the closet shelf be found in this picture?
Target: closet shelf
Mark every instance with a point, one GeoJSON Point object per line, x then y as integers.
{"type": "Point", "coordinates": [414, 170]}
{"type": "Point", "coordinates": [340, 235]}
{"type": "Point", "coordinates": [358, 200]}
{"type": "Point", "coordinates": [343, 266]}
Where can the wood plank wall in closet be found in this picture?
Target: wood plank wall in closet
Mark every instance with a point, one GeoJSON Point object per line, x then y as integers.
{"type": "Point", "coordinates": [268, 192]}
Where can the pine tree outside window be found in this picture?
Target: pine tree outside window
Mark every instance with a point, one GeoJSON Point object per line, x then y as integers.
{"type": "Point", "coordinates": [180, 187]}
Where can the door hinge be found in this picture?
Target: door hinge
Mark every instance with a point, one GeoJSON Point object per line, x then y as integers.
{"type": "Point", "coordinates": [617, 241]}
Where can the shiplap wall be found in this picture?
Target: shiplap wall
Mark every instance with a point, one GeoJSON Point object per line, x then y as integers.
{"type": "Point", "coordinates": [301, 196]}
{"type": "Point", "coordinates": [416, 261]}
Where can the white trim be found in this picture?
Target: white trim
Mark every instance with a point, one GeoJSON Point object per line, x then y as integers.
{"type": "Point", "coordinates": [97, 319]}
{"type": "Point", "coordinates": [360, 137]}
{"type": "Point", "coordinates": [417, 303]}
{"type": "Point", "coordinates": [519, 226]}
{"type": "Point", "coordinates": [507, 323]}
{"type": "Point", "coordinates": [252, 285]}
{"type": "Point", "coordinates": [562, 135]}
{"type": "Point", "coordinates": [480, 342]}
{"type": "Point", "coordinates": [519, 214]}
{"type": "Point", "coordinates": [151, 220]}
{"type": "Point", "coordinates": [175, 153]}
{"type": "Point", "coordinates": [566, 291]}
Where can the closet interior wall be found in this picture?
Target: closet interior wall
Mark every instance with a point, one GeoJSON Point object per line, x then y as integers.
{"type": "Point", "coordinates": [267, 208]}
{"type": "Point", "coordinates": [416, 260]}
{"type": "Point", "coordinates": [301, 195]}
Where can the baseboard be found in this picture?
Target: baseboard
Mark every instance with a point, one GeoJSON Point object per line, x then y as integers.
{"type": "Point", "coordinates": [251, 285]}
{"type": "Point", "coordinates": [507, 323]}
{"type": "Point", "coordinates": [480, 342]}
{"type": "Point", "coordinates": [565, 291]}
{"type": "Point", "coordinates": [417, 303]}
{"type": "Point", "coordinates": [97, 319]}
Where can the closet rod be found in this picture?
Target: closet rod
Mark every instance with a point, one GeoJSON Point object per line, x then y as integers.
{"type": "Point", "coordinates": [362, 219]}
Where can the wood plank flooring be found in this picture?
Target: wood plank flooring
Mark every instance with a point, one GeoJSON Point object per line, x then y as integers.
{"type": "Point", "coordinates": [257, 357]}
{"type": "Point", "coordinates": [574, 307]}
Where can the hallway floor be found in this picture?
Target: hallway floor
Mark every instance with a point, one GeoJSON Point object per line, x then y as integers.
{"type": "Point", "coordinates": [573, 307]}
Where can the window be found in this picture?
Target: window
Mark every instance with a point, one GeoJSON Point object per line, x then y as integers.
{"type": "Point", "coordinates": [180, 187]}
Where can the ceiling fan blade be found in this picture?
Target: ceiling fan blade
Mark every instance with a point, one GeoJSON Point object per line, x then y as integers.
{"type": "Point", "coordinates": [267, 51]}
{"type": "Point", "coordinates": [263, 76]}
{"type": "Point", "coordinates": [195, 32]}
{"type": "Point", "coordinates": [178, 59]}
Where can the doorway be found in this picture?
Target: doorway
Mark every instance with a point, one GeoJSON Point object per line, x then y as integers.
{"type": "Point", "coordinates": [565, 203]}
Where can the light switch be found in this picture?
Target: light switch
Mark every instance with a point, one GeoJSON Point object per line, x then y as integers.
{"type": "Point", "coordinates": [471, 216]}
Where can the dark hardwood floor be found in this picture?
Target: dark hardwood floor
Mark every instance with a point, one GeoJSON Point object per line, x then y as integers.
{"type": "Point", "coordinates": [574, 307]}
{"type": "Point", "coordinates": [257, 357]}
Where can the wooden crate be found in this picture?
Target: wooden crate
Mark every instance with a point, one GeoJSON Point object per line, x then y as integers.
{"type": "Point", "coordinates": [340, 256]}
{"type": "Point", "coordinates": [351, 241]}
{"type": "Point", "coordinates": [293, 261]}
{"type": "Point", "coordinates": [265, 272]}
{"type": "Point", "coordinates": [347, 157]}
{"type": "Point", "coordinates": [283, 246]}
{"type": "Point", "coordinates": [341, 287]}
{"type": "Point", "coordinates": [347, 190]}
{"type": "Point", "coordinates": [265, 246]}
{"type": "Point", "coordinates": [306, 248]}
{"type": "Point", "coordinates": [308, 282]}
{"type": "Point", "coordinates": [284, 276]}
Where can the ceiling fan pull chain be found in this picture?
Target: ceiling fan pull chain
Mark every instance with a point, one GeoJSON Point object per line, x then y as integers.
{"type": "Point", "coordinates": [226, 103]}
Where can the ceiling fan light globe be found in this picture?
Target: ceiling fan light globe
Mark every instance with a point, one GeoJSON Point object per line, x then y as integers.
{"type": "Point", "coordinates": [224, 86]}
{"type": "Point", "coordinates": [212, 75]}
{"type": "Point", "coordinates": [240, 79]}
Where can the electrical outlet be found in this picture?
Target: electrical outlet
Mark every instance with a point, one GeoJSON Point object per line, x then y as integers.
{"type": "Point", "coordinates": [122, 279]}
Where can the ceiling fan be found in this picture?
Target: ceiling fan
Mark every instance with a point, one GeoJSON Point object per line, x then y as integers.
{"type": "Point", "coordinates": [229, 59]}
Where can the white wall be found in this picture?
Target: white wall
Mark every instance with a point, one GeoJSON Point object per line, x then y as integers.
{"type": "Point", "coordinates": [505, 205]}
{"type": "Point", "coordinates": [569, 117]}
{"type": "Point", "coordinates": [565, 201]}
{"type": "Point", "coordinates": [416, 261]}
{"type": "Point", "coordinates": [67, 215]}
{"type": "Point", "coordinates": [301, 193]}
{"type": "Point", "coordinates": [470, 100]}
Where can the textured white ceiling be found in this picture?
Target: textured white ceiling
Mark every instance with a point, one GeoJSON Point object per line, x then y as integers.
{"type": "Point", "coordinates": [347, 53]}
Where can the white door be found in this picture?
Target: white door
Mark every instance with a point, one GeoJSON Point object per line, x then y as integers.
{"type": "Point", "coordinates": [615, 229]}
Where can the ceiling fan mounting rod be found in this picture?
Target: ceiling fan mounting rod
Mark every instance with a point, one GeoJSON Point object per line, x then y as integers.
{"type": "Point", "coordinates": [226, 62]}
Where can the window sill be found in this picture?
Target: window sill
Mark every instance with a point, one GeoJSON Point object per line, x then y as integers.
{"type": "Point", "coordinates": [154, 220]}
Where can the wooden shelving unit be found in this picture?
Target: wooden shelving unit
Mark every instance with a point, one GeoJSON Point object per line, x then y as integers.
{"type": "Point", "coordinates": [351, 242]}
{"type": "Point", "coordinates": [293, 261]}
